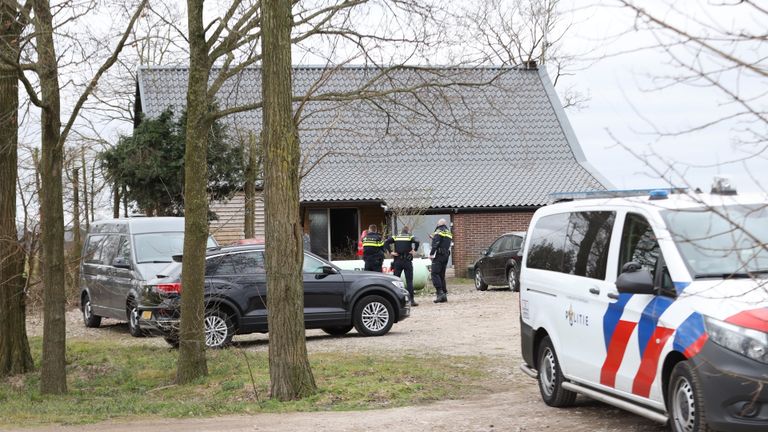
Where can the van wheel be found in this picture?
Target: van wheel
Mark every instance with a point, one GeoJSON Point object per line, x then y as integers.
{"type": "Point", "coordinates": [337, 331]}
{"type": "Point", "coordinates": [373, 316]}
{"type": "Point", "coordinates": [133, 319]}
{"type": "Point", "coordinates": [218, 329]}
{"type": "Point", "coordinates": [551, 377]}
{"type": "Point", "coordinates": [685, 402]}
{"type": "Point", "coordinates": [512, 280]}
{"type": "Point", "coordinates": [89, 319]}
{"type": "Point", "coordinates": [480, 285]}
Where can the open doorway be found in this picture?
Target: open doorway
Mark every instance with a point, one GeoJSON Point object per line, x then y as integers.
{"type": "Point", "coordinates": [345, 230]}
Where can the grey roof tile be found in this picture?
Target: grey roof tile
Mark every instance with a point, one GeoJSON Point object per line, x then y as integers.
{"type": "Point", "coordinates": [501, 145]}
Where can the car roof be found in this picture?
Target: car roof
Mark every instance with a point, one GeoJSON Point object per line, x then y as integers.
{"type": "Point", "coordinates": [139, 225]}
{"type": "Point", "coordinates": [674, 201]}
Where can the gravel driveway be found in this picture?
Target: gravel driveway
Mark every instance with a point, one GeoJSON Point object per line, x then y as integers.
{"type": "Point", "coordinates": [471, 323]}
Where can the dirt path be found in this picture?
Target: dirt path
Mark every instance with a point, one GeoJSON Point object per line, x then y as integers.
{"type": "Point", "coordinates": [471, 323]}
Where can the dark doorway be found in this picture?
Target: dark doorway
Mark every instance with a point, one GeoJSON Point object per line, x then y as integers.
{"type": "Point", "coordinates": [344, 233]}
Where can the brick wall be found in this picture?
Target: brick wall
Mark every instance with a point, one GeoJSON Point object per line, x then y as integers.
{"type": "Point", "coordinates": [473, 232]}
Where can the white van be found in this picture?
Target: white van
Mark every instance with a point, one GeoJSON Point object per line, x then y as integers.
{"type": "Point", "coordinates": [657, 304]}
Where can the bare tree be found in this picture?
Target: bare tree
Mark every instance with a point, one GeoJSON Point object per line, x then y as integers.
{"type": "Point", "coordinates": [44, 66]}
{"type": "Point", "coordinates": [14, 346]}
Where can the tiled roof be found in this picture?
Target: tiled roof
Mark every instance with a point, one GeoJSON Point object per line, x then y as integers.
{"type": "Point", "coordinates": [503, 144]}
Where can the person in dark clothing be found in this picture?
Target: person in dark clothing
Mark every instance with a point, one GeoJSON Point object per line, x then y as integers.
{"type": "Point", "coordinates": [441, 250]}
{"type": "Point", "coordinates": [373, 250]}
{"type": "Point", "coordinates": [405, 245]}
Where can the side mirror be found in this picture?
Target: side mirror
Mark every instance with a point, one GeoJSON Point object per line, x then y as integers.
{"type": "Point", "coordinates": [328, 270]}
{"type": "Point", "coordinates": [635, 282]}
{"type": "Point", "coordinates": [485, 252]}
{"type": "Point", "coordinates": [121, 262]}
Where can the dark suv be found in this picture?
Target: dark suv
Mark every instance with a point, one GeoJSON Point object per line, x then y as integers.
{"type": "Point", "coordinates": [236, 298]}
{"type": "Point", "coordinates": [500, 263]}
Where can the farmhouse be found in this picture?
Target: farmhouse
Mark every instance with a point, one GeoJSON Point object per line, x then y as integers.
{"type": "Point", "coordinates": [483, 147]}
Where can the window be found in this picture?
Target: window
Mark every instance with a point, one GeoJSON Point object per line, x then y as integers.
{"type": "Point", "coordinates": [517, 242]}
{"type": "Point", "coordinates": [574, 243]}
{"type": "Point", "coordinates": [639, 244]}
{"type": "Point", "coordinates": [586, 246]}
{"type": "Point", "coordinates": [124, 251]}
{"type": "Point", "coordinates": [500, 245]}
{"type": "Point", "coordinates": [313, 265]}
{"type": "Point", "coordinates": [109, 248]}
{"type": "Point", "coordinates": [243, 263]}
{"type": "Point", "coordinates": [547, 243]}
{"type": "Point", "coordinates": [161, 247]}
{"type": "Point", "coordinates": [92, 252]}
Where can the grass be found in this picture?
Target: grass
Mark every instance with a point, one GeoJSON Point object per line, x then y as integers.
{"type": "Point", "coordinates": [111, 381]}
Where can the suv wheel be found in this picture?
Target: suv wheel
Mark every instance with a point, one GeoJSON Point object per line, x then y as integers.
{"type": "Point", "coordinates": [480, 285]}
{"type": "Point", "coordinates": [173, 341]}
{"type": "Point", "coordinates": [373, 316]}
{"type": "Point", "coordinates": [685, 402]}
{"type": "Point", "coordinates": [337, 331]}
{"type": "Point", "coordinates": [133, 319]}
{"type": "Point", "coordinates": [218, 329]}
{"type": "Point", "coordinates": [512, 281]}
{"type": "Point", "coordinates": [89, 318]}
{"type": "Point", "coordinates": [551, 377]}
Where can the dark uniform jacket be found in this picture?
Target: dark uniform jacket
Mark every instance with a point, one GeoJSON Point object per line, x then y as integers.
{"type": "Point", "coordinates": [373, 245]}
{"type": "Point", "coordinates": [404, 244]}
{"type": "Point", "coordinates": [441, 241]}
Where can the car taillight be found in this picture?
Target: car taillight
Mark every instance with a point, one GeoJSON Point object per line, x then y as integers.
{"type": "Point", "coordinates": [169, 288]}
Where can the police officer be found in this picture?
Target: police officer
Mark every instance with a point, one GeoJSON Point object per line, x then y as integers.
{"type": "Point", "coordinates": [405, 245]}
{"type": "Point", "coordinates": [373, 250]}
{"type": "Point", "coordinates": [441, 250]}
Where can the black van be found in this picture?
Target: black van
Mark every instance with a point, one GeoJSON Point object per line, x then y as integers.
{"type": "Point", "coordinates": [119, 255]}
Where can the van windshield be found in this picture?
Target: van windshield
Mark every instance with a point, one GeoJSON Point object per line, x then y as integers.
{"type": "Point", "coordinates": [160, 247]}
{"type": "Point", "coordinates": [723, 241]}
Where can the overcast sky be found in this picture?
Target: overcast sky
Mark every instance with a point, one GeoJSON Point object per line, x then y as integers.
{"type": "Point", "coordinates": [622, 102]}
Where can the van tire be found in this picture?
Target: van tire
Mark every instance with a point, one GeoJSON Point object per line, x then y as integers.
{"type": "Point", "coordinates": [133, 319]}
{"type": "Point", "coordinates": [480, 284]}
{"type": "Point", "coordinates": [89, 319]}
{"type": "Point", "coordinates": [551, 377]}
{"type": "Point", "coordinates": [685, 400]}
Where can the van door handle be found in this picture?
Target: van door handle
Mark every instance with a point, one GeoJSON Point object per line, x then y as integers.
{"type": "Point", "coordinates": [614, 296]}
{"type": "Point", "coordinates": [594, 291]}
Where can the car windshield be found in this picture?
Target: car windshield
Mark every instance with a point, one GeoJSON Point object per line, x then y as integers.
{"type": "Point", "coordinates": [724, 241]}
{"type": "Point", "coordinates": [160, 247]}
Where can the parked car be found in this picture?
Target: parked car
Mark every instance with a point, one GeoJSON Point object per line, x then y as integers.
{"type": "Point", "coordinates": [335, 300]}
{"type": "Point", "coordinates": [500, 263]}
{"type": "Point", "coordinates": [119, 255]}
{"type": "Point", "coordinates": [655, 304]}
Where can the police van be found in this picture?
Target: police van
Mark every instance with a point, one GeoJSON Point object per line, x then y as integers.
{"type": "Point", "coordinates": [657, 304]}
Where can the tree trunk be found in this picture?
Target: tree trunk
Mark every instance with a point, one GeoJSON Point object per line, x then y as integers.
{"type": "Point", "coordinates": [289, 369]}
{"type": "Point", "coordinates": [53, 377]}
{"type": "Point", "coordinates": [15, 357]}
{"type": "Point", "coordinates": [85, 190]}
{"type": "Point", "coordinates": [74, 259]}
{"type": "Point", "coordinates": [192, 363]}
{"type": "Point", "coordinates": [125, 202]}
{"type": "Point", "coordinates": [116, 201]}
{"type": "Point", "coordinates": [251, 172]}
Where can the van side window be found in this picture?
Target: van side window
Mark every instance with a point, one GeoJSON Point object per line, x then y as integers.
{"type": "Point", "coordinates": [586, 244]}
{"type": "Point", "coordinates": [547, 243]}
{"type": "Point", "coordinates": [124, 251]}
{"type": "Point", "coordinates": [92, 252]}
{"type": "Point", "coordinates": [109, 248]}
{"type": "Point", "coordinates": [638, 243]}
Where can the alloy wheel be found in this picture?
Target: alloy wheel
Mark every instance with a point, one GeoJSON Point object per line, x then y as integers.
{"type": "Point", "coordinates": [375, 316]}
{"type": "Point", "coordinates": [216, 331]}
